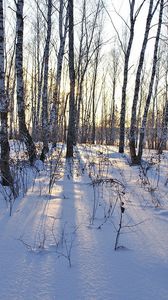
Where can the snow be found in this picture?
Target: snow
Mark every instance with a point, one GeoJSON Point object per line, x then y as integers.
{"type": "Point", "coordinates": [55, 247]}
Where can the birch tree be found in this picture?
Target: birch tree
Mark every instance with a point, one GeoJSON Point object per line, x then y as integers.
{"type": "Point", "coordinates": [133, 17]}
{"type": "Point", "coordinates": [39, 71]}
{"type": "Point", "coordinates": [45, 127]}
{"type": "Point", "coordinates": [163, 138]}
{"type": "Point", "coordinates": [155, 57]}
{"type": "Point", "coordinates": [10, 89]}
{"type": "Point", "coordinates": [71, 124]}
{"type": "Point", "coordinates": [7, 179]}
{"type": "Point", "coordinates": [63, 28]}
{"type": "Point", "coordinates": [114, 72]}
{"type": "Point", "coordinates": [95, 74]}
{"type": "Point", "coordinates": [23, 131]}
{"type": "Point", "coordinates": [88, 47]}
{"type": "Point", "coordinates": [132, 142]}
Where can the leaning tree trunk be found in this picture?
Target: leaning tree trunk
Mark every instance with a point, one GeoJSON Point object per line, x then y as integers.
{"type": "Point", "coordinates": [71, 124]}
{"type": "Point", "coordinates": [45, 129]}
{"type": "Point", "coordinates": [155, 58]}
{"type": "Point", "coordinates": [7, 179]}
{"type": "Point", "coordinates": [132, 142]}
{"type": "Point", "coordinates": [23, 131]}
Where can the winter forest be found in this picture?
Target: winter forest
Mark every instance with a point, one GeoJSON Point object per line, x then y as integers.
{"type": "Point", "coordinates": [83, 149]}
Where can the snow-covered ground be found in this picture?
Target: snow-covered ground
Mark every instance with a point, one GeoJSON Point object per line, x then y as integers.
{"type": "Point", "coordinates": [60, 245]}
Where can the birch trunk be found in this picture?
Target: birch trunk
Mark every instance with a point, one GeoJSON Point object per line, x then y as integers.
{"type": "Point", "coordinates": [155, 57]}
{"type": "Point", "coordinates": [7, 179]}
{"type": "Point", "coordinates": [133, 18]}
{"type": "Point", "coordinates": [132, 142]}
{"type": "Point", "coordinates": [10, 90]}
{"type": "Point", "coordinates": [115, 75]}
{"type": "Point", "coordinates": [163, 140]}
{"type": "Point", "coordinates": [56, 97]}
{"type": "Point", "coordinates": [85, 55]}
{"type": "Point", "coordinates": [71, 124]}
{"type": "Point", "coordinates": [94, 92]}
{"type": "Point", "coordinates": [154, 111]}
{"type": "Point", "coordinates": [40, 73]}
{"type": "Point", "coordinates": [125, 78]}
{"type": "Point", "coordinates": [23, 131]}
{"type": "Point", "coordinates": [45, 127]}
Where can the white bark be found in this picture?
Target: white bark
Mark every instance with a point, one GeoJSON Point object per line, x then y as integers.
{"type": "Point", "coordinates": [151, 11]}
{"type": "Point", "coordinates": [45, 125]}
{"type": "Point", "coordinates": [24, 134]}
{"type": "Point", "coordinates": [7, 179]}
{"type": "Point", "coordinates": [63, 28]}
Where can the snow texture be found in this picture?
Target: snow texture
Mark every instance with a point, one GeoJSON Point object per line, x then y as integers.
{"type": "Point", "coordinates": [56, 247]}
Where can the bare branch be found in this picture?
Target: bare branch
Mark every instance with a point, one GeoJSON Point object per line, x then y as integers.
{"type": "Point", "coordinates": [121, 17]}
{"type": "Point", "coordinates": [121, 44]}
{"type": "Point", "coordinates": [155, 8]}
{"type": "Point", "coordinates": [40, 10]}
{"type": "Point", "coordinates": [139, 9]}
{"type": "Point", "coordinates": [12, 9]}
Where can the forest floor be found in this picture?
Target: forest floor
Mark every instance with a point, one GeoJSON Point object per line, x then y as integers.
{"type": "Point", "coordinates": [59, 243]}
